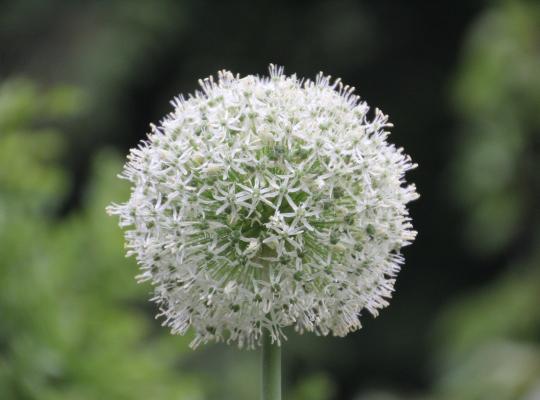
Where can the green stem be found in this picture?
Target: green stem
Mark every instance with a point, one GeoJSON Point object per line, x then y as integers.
{"type": "Point", "coordinates": [271, 369]}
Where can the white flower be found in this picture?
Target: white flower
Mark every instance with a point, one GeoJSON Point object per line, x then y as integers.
{"type": "Point", "coordinates": [266, 202]}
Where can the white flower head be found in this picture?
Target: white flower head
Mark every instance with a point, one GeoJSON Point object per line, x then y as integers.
{"type": "Point", "coordinates": [266, 202]}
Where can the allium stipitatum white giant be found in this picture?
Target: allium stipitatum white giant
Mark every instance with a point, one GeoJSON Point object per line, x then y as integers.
{"type": "Point", "coordinates": [266, 202]}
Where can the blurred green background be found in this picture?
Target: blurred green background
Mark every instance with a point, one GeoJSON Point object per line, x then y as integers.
{"type": "Point", "coordinates": [81, 80]}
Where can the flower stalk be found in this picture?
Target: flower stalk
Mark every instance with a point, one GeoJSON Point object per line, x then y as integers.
{"type": "Point", "coordinates": [271, 369]}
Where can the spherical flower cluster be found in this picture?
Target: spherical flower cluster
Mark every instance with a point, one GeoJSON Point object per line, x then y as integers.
{"type": "Point", "coordinates": [266, 202]}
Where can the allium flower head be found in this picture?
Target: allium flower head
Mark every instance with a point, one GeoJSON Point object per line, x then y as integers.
{"type": "Point", "coordinates": [266, 202]}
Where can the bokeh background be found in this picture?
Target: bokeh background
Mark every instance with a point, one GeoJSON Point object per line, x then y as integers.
{"type": "Point", "coordinates": [81, 80]}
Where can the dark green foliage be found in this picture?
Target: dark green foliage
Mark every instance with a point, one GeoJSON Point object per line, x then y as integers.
{"type": "Point", "coordinates": [73, 322]}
